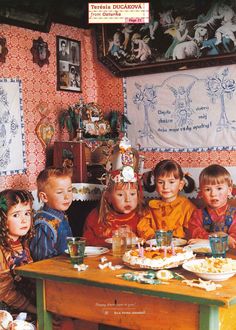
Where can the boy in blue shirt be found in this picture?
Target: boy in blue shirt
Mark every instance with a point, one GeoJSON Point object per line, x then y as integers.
{"type": "Point", "coordinates": [51, 225]}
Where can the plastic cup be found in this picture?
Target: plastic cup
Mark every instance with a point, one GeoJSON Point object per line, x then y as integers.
{"type": "Point", "coordinates": [219, 244]}
{"type": "Point", "coordinates": [76, 248]}
{"type": "Point", "coordinates": [164, 237]}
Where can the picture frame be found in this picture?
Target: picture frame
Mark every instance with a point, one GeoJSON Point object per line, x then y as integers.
{"type": "Point", "coordinates": [180, 35]}
{"type": "Point", "coordinates": [68, 65]}
{"type": "Point", "coordinates": [35, 15]}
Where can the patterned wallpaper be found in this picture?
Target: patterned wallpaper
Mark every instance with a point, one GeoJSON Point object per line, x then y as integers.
{"type": "Point", "coordinates": [39, 85]}
{"type": "Point", "coordinates": [98, 85]}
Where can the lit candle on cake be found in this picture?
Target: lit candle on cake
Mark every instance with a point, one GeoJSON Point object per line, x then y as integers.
{"type": "Point", "coordinates": [165, 251]}
{"type": "Point", "coordinates": [141, 248]}
{"type": "Point", "coordinates": [141, 251]}
{"type": "Point", "coordinates": [173, 248]}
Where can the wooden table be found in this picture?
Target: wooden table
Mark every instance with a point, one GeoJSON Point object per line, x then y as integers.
{"type": "Point", "coordinates": [99, 296]}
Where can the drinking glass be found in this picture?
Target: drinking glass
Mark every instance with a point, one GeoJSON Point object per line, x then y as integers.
{"type": "Point", "coordinates": [118, 243]}
{"type": "Point", "coordinates": [164, 237]}
{"type": "Point", "coordinates": [125, 230]}
{"type": "Point", "coordinates": [219, 244]}
{"type": "Point", "coordinates": [76, 248]}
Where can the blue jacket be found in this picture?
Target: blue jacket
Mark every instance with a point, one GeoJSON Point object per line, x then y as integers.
{"type": "Point", "coordinates": [52, 228]}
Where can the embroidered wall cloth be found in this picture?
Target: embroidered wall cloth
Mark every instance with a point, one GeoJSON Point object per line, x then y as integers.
{"type": "Point", "coordinates": [193, 110]}
{"type": "Point", "coordinates": [12, 145]}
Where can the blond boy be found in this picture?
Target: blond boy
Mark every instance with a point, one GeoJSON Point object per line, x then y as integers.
{"type": "Point", "coordinates": [51, 224]}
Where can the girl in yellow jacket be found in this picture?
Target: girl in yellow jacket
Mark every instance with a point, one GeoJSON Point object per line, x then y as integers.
{"type": "Point", "coordinates": [171, 211]}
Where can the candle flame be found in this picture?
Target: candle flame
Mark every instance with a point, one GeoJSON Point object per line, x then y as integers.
{"type": "Point", "coordinates": [142, 242]}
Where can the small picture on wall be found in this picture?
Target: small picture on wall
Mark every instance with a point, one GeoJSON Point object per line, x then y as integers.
{"type": "Point", "coordinates": [68, 65]}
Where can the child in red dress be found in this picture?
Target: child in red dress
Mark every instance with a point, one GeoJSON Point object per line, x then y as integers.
{"type": "Point", "coordinates": [215, 185]}
{"type": "Point", "coordinates": [121, 201]}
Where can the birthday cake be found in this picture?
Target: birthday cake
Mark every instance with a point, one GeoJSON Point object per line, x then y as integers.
{"type": "Point", "coordinates": [156, 257]}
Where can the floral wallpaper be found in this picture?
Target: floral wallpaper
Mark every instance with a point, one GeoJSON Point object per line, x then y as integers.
{"type": "Point", "coordinates": [98, 85]}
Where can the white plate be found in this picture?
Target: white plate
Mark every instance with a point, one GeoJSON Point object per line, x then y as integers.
{"type": "Point", "coordinates": [202, 247]}
{"type": "Point", "coordinates": [109, 240]}
{"type": "Point", "coordinates": [175, 240]}
{"type": "Point", "coordinates": [92, 251]}
{"type": "Point", "coordinates": [189, 266]}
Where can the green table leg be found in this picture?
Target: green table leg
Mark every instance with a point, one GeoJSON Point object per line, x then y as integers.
{"type": "Point", "coordinates": [44, 317]}
{"type": "Point", "coordinates": [209, 318]}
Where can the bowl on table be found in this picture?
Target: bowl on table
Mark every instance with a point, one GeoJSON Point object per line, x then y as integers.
{"type": "Point", "coordinates": [214, 269]}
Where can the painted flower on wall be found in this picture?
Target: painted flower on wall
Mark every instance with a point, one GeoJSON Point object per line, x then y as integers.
{"type": "Point", "coordinates": [217, 87]}
{"type": "Point", "coordinates": [146, 97]}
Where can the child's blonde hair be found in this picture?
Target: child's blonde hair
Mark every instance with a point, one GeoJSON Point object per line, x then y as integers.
{"type": "Point", "coordinates": [51, 172]}
{"type": "Point", "coordinates": [215, 174]}
{"type": "Point", "coordinates": [8, 199]}
{"type": "Point", "coordinates": [105, 207]}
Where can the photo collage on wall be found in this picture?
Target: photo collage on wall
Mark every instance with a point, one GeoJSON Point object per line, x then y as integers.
{"type": "Point", "coordinates": [68, 65]}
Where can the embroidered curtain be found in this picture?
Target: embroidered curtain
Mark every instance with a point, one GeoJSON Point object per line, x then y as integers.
{"type": "Point", "coordinates": [12, 144]}
{"type": "Point", "coordinates": [193, 110]}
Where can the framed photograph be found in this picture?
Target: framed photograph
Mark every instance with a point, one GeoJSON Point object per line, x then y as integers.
{"type": "Point", "coordinates": [183, 34]}
{"type": "Point", "coordinates": [68, 65]}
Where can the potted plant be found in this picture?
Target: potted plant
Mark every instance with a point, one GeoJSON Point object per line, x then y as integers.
{"type": "Point", "coordinates": [71, 119]}
{"type": "Point", "coordinates": [118, 122]}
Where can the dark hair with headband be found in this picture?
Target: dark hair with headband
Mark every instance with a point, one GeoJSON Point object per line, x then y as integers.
{"type": "Point", "coordinates": [164, 168]}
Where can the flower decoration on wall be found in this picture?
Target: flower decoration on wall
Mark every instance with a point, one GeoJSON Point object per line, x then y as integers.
{"type": "Point", "coordinates": [71, 119]}
{"type": "Point", "coordinates": [93, 122]}
{"type": "Point", "coordinates": [218, 86]}
{"type": "Point", "coordinates": [146, 97]}
{"type": "Point", "coordinates": [40, 52]}
{"type": "Point", "coordinates": [3, 50]}
{"type": "Point", "coordinates": [118, 122]}
{"type": "Point", "coordinates": [87, 117]}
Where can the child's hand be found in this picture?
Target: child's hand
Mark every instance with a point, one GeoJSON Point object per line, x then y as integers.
{"type": "Point", "coordinates": [232, 242]}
